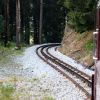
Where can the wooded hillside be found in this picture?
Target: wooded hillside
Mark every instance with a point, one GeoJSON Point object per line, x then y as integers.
{"type": "Point", "coordinates": [78, 40]}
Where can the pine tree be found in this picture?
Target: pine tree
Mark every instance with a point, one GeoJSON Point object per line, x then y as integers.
{"type": "Point", "coordinates": [18, 24]}
{"type": "Point", "coordinates": [81, 14]}
{"type": "Point", "coordinates": [6, 22]}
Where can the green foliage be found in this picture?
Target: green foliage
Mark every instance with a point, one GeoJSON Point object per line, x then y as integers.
{"type": "Point", "coordinates": [89, 45]}
{"type": "Point", "coordinates": [9, 50]}
{"type": "Point", "coordinates": [47, 98]}
{"type": "Point", "coordinates": [10, 45]}
{"type": "Point", "coordinates": [81, 14]}
{"type": "Point", "coordinates": [6, 92]}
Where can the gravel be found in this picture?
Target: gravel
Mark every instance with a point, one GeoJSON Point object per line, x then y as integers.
{"type": "Point", "coordinates": [34, 79]}
{"type": "Point", "coordinates": [70, 61]}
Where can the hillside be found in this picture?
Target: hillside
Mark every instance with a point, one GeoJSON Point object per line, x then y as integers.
{"type": "Point", "coordinates": [78, 46]}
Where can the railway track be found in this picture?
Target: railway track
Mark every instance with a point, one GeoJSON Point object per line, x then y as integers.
{"type": "Point", "coordinates": [69, 68]}
{"type": "Point", "coordinates": [79, 78]}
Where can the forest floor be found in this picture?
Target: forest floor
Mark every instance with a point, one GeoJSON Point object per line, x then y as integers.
{"type": "Point", "coordinates": [26, 77]}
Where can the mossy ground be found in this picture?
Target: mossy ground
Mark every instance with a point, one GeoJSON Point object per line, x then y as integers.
{"type": "Point", "coordinates": [11, 90]}
{"type": "Point", "coordinates": [6, 52]}
{"type": "Point", "coordinates": [6, 92]}
{"type": "Point", "coordinates": [47, 98]}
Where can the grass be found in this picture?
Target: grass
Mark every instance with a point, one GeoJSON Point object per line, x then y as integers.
{"type": "Point", "coordinates": [47, 98]}
{"type": "Point", "coordinates": [9, 50]}
{"type": "Point", "coordinates": [89, 45]}
{"type": "Point", "coordinates": [10, 47]}
{"type": "Point", "coordinates": [80, 36]}
{"type": "Point", "coordinates": [87, 39]}
{"type": "Point", "coordinates": [6, 92]}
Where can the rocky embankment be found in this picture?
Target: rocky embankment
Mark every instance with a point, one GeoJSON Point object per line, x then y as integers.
{"type": "Point", "coordinates": [78, 46]}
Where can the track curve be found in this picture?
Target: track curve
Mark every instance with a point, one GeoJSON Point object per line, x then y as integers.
{"type": "Point", "coordinates": [54, 62]}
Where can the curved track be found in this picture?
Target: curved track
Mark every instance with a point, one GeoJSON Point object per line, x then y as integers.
{"type": "Point", "coordinates": [79, 78]}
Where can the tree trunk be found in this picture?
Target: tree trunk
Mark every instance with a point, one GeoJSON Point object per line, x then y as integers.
{"type": "Point", "coordinates": [18, 20]}
{"type": "Point", "coordinates": [36, 30]}
{"type": "Point", "coordinates": [6, 22]}
{"type": "Point", "coordinates": [27, 31]}
{"type": "Point", "coordinates": [41, 18]}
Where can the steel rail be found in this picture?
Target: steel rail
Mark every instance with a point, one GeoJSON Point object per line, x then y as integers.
{"type": "Point", "coordinates": [45, 58]}
{"type": "Point", "coordinates": [68, 67]}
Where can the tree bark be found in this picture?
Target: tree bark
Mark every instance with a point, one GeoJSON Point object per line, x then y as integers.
{"type": "Point", "coordinates": [6, 22]}
{"type": "Point", "coordinates": [41, 18]}
{"type": "Point", "coordinates": [27, 31]}
{"type": "Point", "coordinates": [36, 30]}
{"type": "Point", "coordinates": [18, 20]}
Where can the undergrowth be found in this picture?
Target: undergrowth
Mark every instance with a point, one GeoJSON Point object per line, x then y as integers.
{"type": "Point", "coordinates": [9, 50]}
{"type": "Point", "coordinates": [89, 45]}
{"type": "Point", "coordinates": [6, 92]}
{"type": "Point", "coordinates": [47, 98]}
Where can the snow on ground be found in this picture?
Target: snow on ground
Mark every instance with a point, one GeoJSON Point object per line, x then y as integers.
{"type": "Point", "coordinates": [34, 79]}
{"type": "Point", "coordinates": [70, 61]}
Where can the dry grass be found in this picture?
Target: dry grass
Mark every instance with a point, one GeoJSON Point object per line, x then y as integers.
{"type": "Point", "coordinates": [78, 46]}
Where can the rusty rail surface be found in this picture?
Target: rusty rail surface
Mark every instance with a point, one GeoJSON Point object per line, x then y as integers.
{"type": "Point", "coordinates": [51, 60]}
{"type": "Point", "coordinates": [70, 68]}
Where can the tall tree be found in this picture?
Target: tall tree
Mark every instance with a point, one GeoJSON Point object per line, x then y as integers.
{"type": "Point", "coordinates": [27, 21]}
{"type": "Point", "coordinates": [18, 20]}
{"type": "Point", "coordinates": [53, 21]}
{"type": "Point", "coordinates": [36, 18]}
{"type": "Point", "coordinates": [12, 22]}
{"type": "Point", "coordinates": [81, 14]}
{"type": "Point", "coordinates": [6, 21]}
{"type": "Point", "coordinates": [41, 21]}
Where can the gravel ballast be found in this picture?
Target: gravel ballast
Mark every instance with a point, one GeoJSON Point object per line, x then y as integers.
{"type": "Point", "coordinates": [35, 79]}
{"type": "Point", "coordinates": [70, 61]}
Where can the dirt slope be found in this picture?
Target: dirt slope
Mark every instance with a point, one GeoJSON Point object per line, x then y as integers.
{"type": "Point", "coordinates": [78, 46]}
